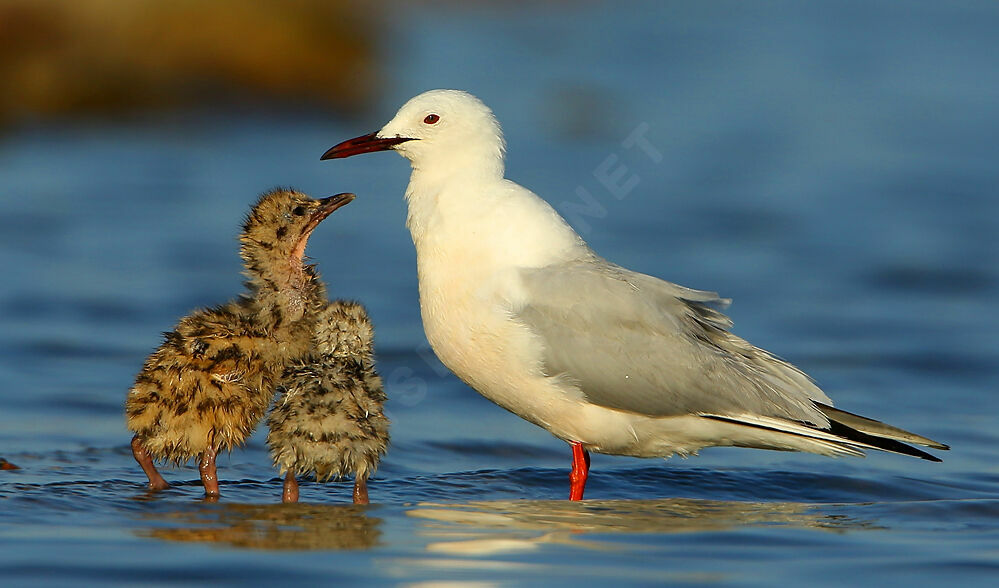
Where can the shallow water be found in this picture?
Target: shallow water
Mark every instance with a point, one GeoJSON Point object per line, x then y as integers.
{"type": "Point", "coordinates": [832, 170]}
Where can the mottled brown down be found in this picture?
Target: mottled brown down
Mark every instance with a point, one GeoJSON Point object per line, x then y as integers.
{"type": "Point", "coordinates": [328, 420]}
{"type": "Point", "coordinates": [208, 385]}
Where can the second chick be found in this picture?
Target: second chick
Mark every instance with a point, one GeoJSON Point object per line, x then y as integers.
{"type": "Point", "coordinates": [328, 420]}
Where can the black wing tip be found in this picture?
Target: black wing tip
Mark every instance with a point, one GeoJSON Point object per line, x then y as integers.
{"type": "Point", "coordinates": [844, 418]}
{"type": "Point", "coordinates": [848, 434]}
{"type": "Point", "coordinates": [882, 443]}
{"type": "Point", "coordinates": [939, 446]}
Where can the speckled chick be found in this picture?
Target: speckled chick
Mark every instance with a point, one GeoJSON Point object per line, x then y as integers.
{"type": "Point", "coordinates": [208, 385]}
{"type": "Point", "coordinates": [328, 419]}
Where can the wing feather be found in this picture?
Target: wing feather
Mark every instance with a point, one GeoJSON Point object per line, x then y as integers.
{"type": "Point", "coordinates": [636, 343]}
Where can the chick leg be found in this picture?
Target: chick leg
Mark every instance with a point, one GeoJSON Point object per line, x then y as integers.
{"type": "Point", "coordinates": [360, 490]}
{"type": "Point", "coordinates": [290, 493]}
{"type": "Point", "coordinates": [141, 455]}
{"type": "Point", "coordinates": [209, 475]}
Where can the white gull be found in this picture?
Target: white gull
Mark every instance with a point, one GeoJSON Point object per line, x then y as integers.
{"type": "Point", "coordinates": [609, 360]}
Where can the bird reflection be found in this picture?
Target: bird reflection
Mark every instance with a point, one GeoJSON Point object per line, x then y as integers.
{"type": "Point", "coordinates": [481, 528]}
{"type": "Point", "coordinates": [276, 527]}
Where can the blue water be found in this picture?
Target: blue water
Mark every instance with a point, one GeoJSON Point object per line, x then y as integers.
{"type": "Point", "coordinates": [832, 168]}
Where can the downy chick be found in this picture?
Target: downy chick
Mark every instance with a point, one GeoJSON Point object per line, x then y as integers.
{"type": "Point", "coordinates": [328, 419]}
{"type": "Point", "coordinates": [208, 385]}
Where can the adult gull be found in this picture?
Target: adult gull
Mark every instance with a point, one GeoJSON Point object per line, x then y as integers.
{"type": "Point", "coordinates": [607, 359]}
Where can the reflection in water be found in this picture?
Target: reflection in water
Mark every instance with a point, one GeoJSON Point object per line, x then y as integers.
{"type": "Point", "coordinates": [282, 527]}
{"type": "Point", "coordinates": [481, 528]}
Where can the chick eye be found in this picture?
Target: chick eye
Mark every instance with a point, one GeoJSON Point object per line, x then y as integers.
{"type": "Point", "coordinates": [298, 211]}
{"type": "Point", "coordinates": [431, 119]}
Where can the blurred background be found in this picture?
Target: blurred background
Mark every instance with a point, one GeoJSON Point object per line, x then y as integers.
{"type": "Point", "coordinates": [830, 166]}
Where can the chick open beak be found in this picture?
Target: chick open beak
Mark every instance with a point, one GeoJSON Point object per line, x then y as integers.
{"type": "Point", "coordinates": [326, 208]}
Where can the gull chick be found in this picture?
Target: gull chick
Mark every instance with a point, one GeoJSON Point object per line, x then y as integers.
{"type": "Point", "coordinates": [207, 386]}
{"type": "Point", "coordinates": [328, 420]}
{"type": "Point", "coordinates": [607, 359]}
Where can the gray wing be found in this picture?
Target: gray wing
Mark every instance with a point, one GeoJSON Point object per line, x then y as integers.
{"type": "Point", "coordinates": [636, 343]}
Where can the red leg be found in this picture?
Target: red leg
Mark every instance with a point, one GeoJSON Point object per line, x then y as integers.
{"type": "Point", "coordinates": [290, 493]}
{"type": "Point", "coordinates": [360, 490]}
{"type": "Point", "coordinates": [580, 470]}
{"type": "Point", "coordinates": [141, 455]}
{"type": "Point", "coordinates": [209, 475]}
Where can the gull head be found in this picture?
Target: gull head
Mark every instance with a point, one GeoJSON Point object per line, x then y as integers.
{"type": "Point", "coordinates": [439, 127]}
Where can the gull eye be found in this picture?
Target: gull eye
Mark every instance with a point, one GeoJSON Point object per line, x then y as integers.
{"type": "Point", "coordinates": [298, 211]}
{"type": "Point", "coordinates": [431, 119]}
